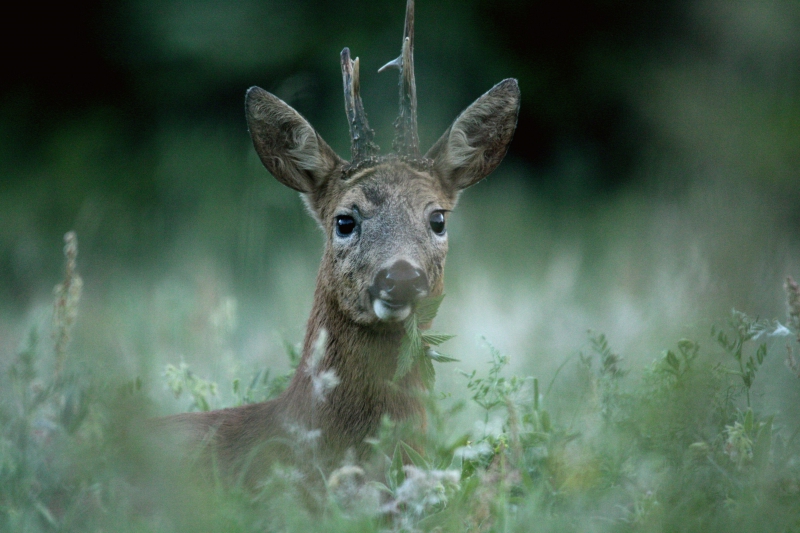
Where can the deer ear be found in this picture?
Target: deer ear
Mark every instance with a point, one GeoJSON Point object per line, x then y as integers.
{"type": "Point", "coordinates": [288, 146]}
{"type": "Point", "coordinates": [478, 139]}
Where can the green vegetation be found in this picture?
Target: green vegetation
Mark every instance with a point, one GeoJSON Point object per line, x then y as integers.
{"type": "Point", "coordinates": [650, 188]}
{"type": "Point", "coordinates": [418, 345]}
{"type": "Point", "coordinates": [687, 446]}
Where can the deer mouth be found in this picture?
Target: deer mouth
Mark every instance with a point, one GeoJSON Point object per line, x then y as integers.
{"type": "Point", "coordinates": [391, 311]}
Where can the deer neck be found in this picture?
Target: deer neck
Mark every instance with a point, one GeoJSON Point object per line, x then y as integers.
{"type": "Point", "coordinates": [359, 354]}
{"type": "Point", "coordinates": [363, 359]}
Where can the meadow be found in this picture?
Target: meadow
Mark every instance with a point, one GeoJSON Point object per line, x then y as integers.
{"type": "Point", "coordinates": [695, 434]}
{"type": "Point", "coordinates": [626, 335]}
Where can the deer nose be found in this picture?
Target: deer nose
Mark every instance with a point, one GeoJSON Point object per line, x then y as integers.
{"type": "Point", "coordinates": [400, 284]}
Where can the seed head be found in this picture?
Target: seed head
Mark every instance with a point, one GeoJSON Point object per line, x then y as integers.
{"type": "Point", "coordinates": [67, 295]}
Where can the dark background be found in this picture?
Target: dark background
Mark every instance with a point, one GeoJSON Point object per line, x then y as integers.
{"type": "Point", "coordinates": [124, 120]}
{"type": "Point", "coordinates": [143, 63]}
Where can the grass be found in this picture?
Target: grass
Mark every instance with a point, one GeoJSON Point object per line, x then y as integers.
{"type": "Point", "coordinates": [193, 257]}
{"type": "Point", "coordinates": [691, 441]}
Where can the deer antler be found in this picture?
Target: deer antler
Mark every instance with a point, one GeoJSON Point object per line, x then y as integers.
{"type": "Point", "coordinates": [406, 142]}
{"type": "Point", "coordinates": [361, 145]}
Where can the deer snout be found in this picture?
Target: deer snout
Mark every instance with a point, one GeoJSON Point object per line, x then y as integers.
{"type": "Point", "coordinates": [395, 288]}
{"type": "Point", "coordinates": [399, 284]}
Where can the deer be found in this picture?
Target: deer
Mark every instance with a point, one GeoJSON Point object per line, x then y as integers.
{"type": "Point", "coordinates": [385, 223]}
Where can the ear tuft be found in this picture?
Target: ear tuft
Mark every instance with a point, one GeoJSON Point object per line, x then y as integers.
{"type": "Point", "coordinates": [288, 146]}
{"type": "Point", "coordinates": [478, 139]}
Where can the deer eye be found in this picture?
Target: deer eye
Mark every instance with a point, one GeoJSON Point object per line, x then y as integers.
{"type": "Point", "coordinates": [345, 224]}
{"type": "Point", "coordinates": [437, 222]}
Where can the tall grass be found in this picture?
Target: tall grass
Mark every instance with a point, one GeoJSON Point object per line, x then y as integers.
{"type": "Point", "coordinates": [688, 442]}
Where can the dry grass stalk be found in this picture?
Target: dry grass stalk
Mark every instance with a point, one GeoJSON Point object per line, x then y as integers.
{"type": "Point", "coordinates": [793, 304]}
{"type": "Point", "coordinates": [793, 320]}
{"type": "Point", "coordinates": [67, 295]}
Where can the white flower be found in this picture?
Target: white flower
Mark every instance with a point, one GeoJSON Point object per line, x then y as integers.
{"type": "Point", "coordinates": [780, 330]}
{"type": "Point", "coordinates": [473, 452]}
{"type": "Point", "coordinates": [423, 489]}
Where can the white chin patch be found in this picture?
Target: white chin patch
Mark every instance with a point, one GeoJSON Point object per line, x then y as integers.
{"type": "Point", "coordinates": [389, 313]}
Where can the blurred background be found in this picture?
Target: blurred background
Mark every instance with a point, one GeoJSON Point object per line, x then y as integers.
{"type": "Point", "coordinates": [653, 183]}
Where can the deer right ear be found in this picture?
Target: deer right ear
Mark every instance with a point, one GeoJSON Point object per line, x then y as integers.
{"type": "Point", "coordinates": [478, 139]}
{"type": "Point", "coordinates": [288, 146]}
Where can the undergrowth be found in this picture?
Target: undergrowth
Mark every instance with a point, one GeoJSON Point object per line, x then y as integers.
{"type": "Point", "coordinates": [684, 445]}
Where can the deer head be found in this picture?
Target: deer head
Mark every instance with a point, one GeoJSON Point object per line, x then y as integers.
{"type": "Point", "coordinates": [384, 217]}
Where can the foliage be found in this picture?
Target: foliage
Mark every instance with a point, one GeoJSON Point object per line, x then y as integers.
{"type": "Point", "coordinates": [686, 446]}
{"type": "Point", "coordinates": [745, 329]}
{"type": "Point", "coordinates": [415, 347]}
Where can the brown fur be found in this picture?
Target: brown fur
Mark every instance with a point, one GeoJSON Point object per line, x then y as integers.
{"type": "Point", "coordinates": [392, 198]}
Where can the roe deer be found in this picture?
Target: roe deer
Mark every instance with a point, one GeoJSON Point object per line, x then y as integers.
{"type": "Point", "coordinates": [384, 219]}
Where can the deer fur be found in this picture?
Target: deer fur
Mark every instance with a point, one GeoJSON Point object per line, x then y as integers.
{"type": "Point", "coordinates": [343, 386]}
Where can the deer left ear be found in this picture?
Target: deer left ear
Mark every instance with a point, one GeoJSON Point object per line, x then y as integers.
{"type": "Point", "coordinates": [478, 139]}
{"type": "Point", "coordinates": [288, 146]}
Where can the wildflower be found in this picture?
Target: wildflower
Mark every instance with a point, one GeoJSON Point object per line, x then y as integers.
{"type": "Point", "coordinates": [424, 489]}
{"type": "Point", "coordinates": [180, 379]}
{"type": "Point", "coordinates": [348, 487]}
{"type": "Point", "coordinates": [779, 331]}
{"type": "Point", "coordinates": [739, 445]}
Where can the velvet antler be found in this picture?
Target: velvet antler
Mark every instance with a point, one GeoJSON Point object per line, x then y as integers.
{"type": "Point", "coordinates": [361, 145]}
{"type": "Point", "coordinates": [406, 142]}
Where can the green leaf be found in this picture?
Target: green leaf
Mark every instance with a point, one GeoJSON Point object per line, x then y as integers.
{"type": "Point", "coordinates": [381, 487]}
{"type": "Point", "coordinates": [688, 348]}
{"type": "Point", "coordinates": [411, 348]}
{"type": "Point", "coordinates": [414, 348]}
{"type": "Point", "coordinates": [748, 422]}
{"type": "Point", "coordinates": [434, 338]}
{"type": "Point", "coordinates": [440, 357]}
{"type": "Point", "coordinates": [416, 459]}
{"type": "Point", "coordinates": [45, 512]}
{"type": "Point", "coordinates": [411, 324]}
{"type": "Point", "coordinates": [427, 372]}
{"type": "Point", "coordinates": [396, 476]}
{"type": "Point", "coordinates": [74, 409]}
{"type": "Point", "coordinates": [427, 308]}
{"type": "Point", "coordinates": [202, 403]}
{"type": "Point", "coordinates": [256, 377]}
{"type": "Point", "coordinates": [672, 360]}
{"type": "Point", "coordinates": [438, 520]}
{"type": "Point", "coordinates": [457, 463]}
{"type": "Point", "coordinates": [761, 353]}
{"type": "Point", "coordinates": [545, 420]}
{"type": "Point", "coordinates": [405, 358]}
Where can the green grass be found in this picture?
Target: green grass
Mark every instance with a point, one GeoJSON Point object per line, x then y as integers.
{"type": "Point", "coordinates": [192, 256]}
{"type": "Point", "coordinates": [691, 441]}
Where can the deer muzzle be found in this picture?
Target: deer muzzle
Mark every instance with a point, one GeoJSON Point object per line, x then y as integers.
{"type": "Point", "coordinates": [395, 289]}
